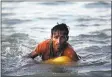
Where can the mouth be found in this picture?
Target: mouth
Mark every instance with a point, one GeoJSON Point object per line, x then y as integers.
{"type": "Point", "coordinates": [58, 46]}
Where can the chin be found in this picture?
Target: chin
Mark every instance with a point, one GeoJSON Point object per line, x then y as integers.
{"type": "Point", "coordinates": [57, 49]}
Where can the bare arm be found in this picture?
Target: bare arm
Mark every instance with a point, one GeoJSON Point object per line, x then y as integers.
{"type": "Point", "coordinates": [33, 54]}
{"type": "Point", "coordinates": [76, 58]}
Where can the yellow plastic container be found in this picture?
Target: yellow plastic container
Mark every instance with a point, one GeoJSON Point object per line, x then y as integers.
{"type": "Point", "coordinates": [59, 60]}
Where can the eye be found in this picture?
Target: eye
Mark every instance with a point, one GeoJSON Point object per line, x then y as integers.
{"type": "Point", "coordinates": [56, 37]}
{"type": "Point", "coordinates": [62, 36]}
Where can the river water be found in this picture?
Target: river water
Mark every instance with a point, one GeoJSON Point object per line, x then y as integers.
{"type": "Point", "coordinates": [25, 24]}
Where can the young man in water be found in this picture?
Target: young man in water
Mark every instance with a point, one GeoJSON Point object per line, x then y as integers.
{"type": "Point", "coordinates": [56, 46]}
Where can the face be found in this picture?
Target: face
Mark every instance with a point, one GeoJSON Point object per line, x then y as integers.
{"type": "Point", "coordinates": [58, 39]}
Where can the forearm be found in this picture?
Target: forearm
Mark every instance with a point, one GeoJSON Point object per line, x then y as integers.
{"type": "Point", "coordinates": [33, 54]}
{"type": "Point", "coordinates": [76, 57]}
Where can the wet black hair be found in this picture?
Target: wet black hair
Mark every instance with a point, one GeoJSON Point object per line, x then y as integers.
{"type": "Point", "coordinates": [60, 27]}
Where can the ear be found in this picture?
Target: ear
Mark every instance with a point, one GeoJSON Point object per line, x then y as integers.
{"type": "Point", "coordinates": [51, 36]}
{"type": "Point", "coordinates": [67, 37]}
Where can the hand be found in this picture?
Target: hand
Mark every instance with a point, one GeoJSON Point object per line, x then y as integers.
{"type": "Point", "coordinates": [28, 59]}
{"type": "Point", "coordinates": [26, 56]}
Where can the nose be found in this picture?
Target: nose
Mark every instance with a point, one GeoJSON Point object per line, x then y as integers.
{"type": "Point", "coordinates": [58, 41]}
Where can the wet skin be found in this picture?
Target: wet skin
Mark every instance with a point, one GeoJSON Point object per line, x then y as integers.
{"type": "Point", "coordinates": [59, 39]}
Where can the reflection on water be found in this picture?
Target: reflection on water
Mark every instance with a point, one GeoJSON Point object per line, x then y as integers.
{"type": "Point", "coordinates": [25, 24]}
